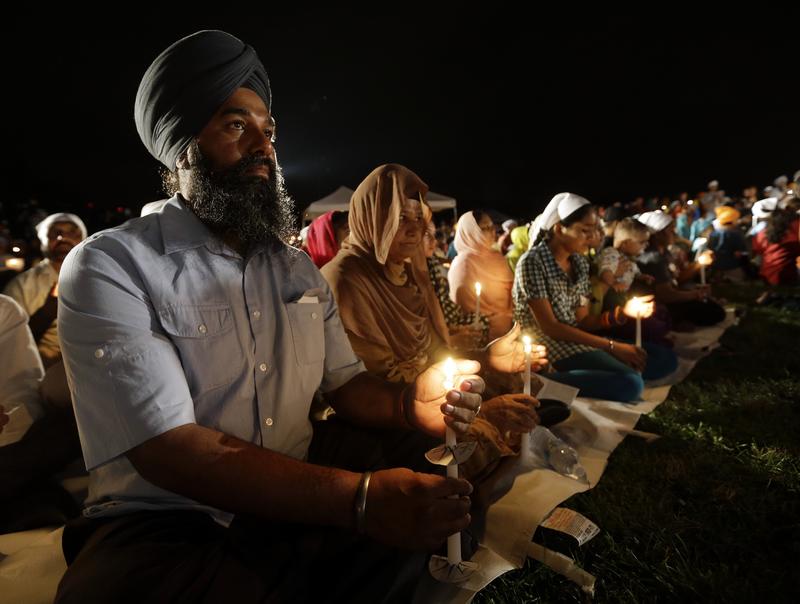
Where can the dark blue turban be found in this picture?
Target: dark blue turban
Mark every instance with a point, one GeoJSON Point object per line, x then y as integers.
{"type": "Point", "coordinates": [187, 83]}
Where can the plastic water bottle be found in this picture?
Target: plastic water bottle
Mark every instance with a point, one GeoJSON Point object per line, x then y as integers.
{"type": "Point", "coordinates": [557, 454]}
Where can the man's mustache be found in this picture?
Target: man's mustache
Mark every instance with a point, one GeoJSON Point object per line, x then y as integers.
{"type": "Point", "coordinates": [240, 168]}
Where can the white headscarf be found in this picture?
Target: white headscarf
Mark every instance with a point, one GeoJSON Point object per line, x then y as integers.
{"type": "Point", "coordinates": [509, 225]}
{"type": "Point", "coordinates": [559, 208]}
{"type": "Point", "coordinates": [44, 226]}
{"type": "Point", "coordinates": [656, 221]}
{"type": "Point", "coordinates": [764, 207]}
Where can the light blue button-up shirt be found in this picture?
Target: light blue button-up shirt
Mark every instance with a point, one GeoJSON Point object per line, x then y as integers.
{"type": "Point", "coordinates": [163, 325]}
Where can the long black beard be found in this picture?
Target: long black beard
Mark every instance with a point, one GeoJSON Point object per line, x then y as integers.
{"type": "Point", "coordinates": [231, 201]}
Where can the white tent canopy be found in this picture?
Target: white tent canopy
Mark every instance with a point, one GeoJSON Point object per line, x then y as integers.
{"type": "Point", "coordinates": [339, 201]}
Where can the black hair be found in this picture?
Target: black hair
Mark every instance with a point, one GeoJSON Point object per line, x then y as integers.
{"type": "Point", "coordinates": [339, 219]}
{"type": "Point", "coordinates": [478, 214]}
{"type": "Point", "coordinates": [779, 223]}
{"type": "Point", "coordinates": [576, 216]}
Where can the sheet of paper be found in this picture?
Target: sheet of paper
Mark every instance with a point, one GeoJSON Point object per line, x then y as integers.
{"type": "Point", "coordinates": [555, 390]}
{"type": "Point", "coordinates": [18, 423]}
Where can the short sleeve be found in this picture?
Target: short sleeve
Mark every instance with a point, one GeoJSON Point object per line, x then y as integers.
{"type": "Point", "coordinates": [608, 260]}
{"type": "Point", "coordinates": [125, 374]}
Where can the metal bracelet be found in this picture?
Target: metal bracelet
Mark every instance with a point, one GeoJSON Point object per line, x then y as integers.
{"type": "Point", "coordinates": [361, 503]}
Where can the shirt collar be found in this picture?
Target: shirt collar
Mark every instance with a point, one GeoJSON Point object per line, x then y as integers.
{"type": "Point", "coordinates": [181, 229]}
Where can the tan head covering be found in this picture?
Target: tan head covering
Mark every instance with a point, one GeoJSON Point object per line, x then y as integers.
{"type": "Point", "coordinates": [393, 322]}
{"type": "Point", "coordinates": [478, 261]}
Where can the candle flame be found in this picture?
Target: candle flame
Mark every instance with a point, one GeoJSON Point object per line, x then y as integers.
{"type": "Point", "coordinates": [637, 306]}
{"type": "Point", "coordinates": [478, 288]}
{"type": "Point", "coordinates": [449, 374]}
{"type": "Point", "coordinates": [527, 344]}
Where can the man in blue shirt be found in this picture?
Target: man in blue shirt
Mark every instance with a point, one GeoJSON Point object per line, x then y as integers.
{"type": "Point", "coordinates": [194, 342]}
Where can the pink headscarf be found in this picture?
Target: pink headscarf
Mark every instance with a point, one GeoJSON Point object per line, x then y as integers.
{"type": "Point", "coordinates": [321, 242]}
{"type": "Point", "coordinates": [478, 261]}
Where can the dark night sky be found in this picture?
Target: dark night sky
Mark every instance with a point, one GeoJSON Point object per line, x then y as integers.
{"type": "Point", "coordinates": [494, 109]}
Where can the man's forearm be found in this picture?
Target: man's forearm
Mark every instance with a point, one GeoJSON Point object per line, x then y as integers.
{"type": "Point", "coordinates": [568, 333]}
{"type": "Point", "coordinates": [43, 318]}
{"type": "Point", "coordinates": [372, 402]}
{"type": "Point", "coordinates": [236, 476]}
{"type": "Point", "coordinates": [666, 294]}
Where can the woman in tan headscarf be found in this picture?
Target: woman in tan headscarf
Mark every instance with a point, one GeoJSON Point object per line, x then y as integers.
{"type": "Point", "coordinates": [478, 262]}
{"type": "Point", "coordinates": [389, 308]}
{"type": "Point", "coordinates": [380, 280]}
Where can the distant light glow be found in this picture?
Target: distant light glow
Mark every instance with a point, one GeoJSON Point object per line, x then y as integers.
{"type": "Point", "coordinates": [15, 264]}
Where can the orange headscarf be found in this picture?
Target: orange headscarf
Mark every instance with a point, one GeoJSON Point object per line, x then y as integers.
{"type": "Point", "coordinates": [478, 261]}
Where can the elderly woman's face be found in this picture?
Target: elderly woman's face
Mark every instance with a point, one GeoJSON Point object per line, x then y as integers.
{"type": "Point", "coordinates": [429, 240]}
{"type": "Point", "coordinates": [409, 232]}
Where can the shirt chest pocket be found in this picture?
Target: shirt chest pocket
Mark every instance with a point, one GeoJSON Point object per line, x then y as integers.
{"type": "Point", "coordinates": [206, 341]}
{"type": "Point", "coordinates": [308, 332]}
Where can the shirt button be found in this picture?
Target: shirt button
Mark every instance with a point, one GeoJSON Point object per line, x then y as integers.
{"type": "Point", "coordinates": [98, 354]}
{"type": "Point", "coordinates": [202, 328]}
{"type": "Point", "coordinates": [313, 315]}
{"type": "Point", "coordinates": [263, 367]}
{"type": "Point", "coordinates": [268, 421]}
{"type": "Point", "coordinates": [256, 314]}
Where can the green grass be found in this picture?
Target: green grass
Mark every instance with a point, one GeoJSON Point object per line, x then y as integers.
{"type": "Point", "coordinates": [711, 511]}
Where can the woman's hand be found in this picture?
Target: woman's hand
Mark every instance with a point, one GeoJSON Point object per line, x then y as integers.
{"type": "Point", "coordinates": [630, 355]}
{"type": "Point", "coordinates": [511, 412]}
{"type": "Point", "coordinates": [435, 407]}
{"type": "Point", "coordinates": [641, 307]}
{"type": "Point", "coordinates": [506, 354]}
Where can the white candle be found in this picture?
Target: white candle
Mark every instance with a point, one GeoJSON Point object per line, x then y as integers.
{"type": "Point", "coordinates": [528, 347]}
{"type": "Point", "coordinates": [478, 298]}
{"type": "Point", "coordinates": [453, 541]}
{"type": "Point", "coordinates": [704, 259]}
{"type": "Point", "coordinates": [639, 331]}
{"type": "Point", "coordinates": [637, 308]}
{"type": "Point", "coordinates": [525, 438]}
